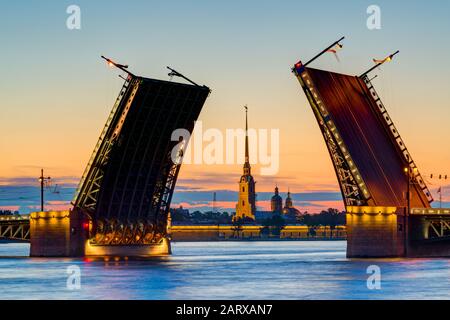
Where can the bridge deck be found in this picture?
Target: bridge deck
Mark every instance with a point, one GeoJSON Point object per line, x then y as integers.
{"type": "Point", "coordinates": [430, 212]}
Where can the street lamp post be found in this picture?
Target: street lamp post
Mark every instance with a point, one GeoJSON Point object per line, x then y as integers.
{"type": "Point", "coordinates": [42, 180]}
{"type": "Point", "coordinates": [410, 172]}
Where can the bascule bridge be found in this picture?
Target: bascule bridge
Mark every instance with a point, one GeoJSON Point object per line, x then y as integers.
{"type": "Point", "coordinates": [386, 198]}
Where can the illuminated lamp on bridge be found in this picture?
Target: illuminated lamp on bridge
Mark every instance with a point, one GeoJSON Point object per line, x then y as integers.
{"type": "Point", "coordinates": [373, 167]}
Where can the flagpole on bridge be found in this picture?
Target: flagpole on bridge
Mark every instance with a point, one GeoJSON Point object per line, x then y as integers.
{"type": "Point", "coordinates": [389, 58]}
{"type": "Point", "coordinates": [324, 50]}
{"type": "Point", "coordinates": [440, 177]}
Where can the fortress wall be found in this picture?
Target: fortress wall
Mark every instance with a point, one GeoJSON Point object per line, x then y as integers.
{"type": "Point", "coordinates": [56, 234]}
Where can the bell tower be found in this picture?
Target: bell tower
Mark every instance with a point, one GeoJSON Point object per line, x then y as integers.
{"type": "Point", "coordinates": [246, 206]}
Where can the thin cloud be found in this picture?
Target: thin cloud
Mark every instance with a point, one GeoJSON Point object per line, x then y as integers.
{"type": "Point", "coordinates": [33, 181]}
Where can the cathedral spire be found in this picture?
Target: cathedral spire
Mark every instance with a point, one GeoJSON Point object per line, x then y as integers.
{"type": "Point", "coordinates": [247, 167]}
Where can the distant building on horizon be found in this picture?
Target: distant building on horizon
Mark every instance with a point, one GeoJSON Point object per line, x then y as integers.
{"type": "Point", "coordinates": [276, 202]}
{"type": "Point", "coordinates": [246, 206]}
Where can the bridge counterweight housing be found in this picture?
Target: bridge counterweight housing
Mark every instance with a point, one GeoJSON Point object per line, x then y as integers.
{"type": "Point", "coordinates": [379, 181]}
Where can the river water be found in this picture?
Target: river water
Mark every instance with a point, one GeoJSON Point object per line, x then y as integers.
{"type": "Point", "coordinates": [224, 270]}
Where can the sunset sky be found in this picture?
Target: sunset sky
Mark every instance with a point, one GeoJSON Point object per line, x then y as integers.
{"type": "Point", "coordinates": [56, 92]}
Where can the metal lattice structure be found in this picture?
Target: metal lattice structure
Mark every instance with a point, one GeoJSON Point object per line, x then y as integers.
{"type": "Point", "coordinates": [86, 196]}
{"type": "Point", "coordinates": [353, 189]}
{"type": "Point", "coordinates": [15, 228]}
{"type": "Point", "coordinates": [128, 183]}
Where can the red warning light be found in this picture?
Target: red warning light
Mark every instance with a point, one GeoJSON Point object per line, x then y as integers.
{"type": "Point", "coordinates": [86, 225]}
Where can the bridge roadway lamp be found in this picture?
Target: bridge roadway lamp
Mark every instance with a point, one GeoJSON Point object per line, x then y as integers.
{"type": "Point", "coordinates": [408, 172]}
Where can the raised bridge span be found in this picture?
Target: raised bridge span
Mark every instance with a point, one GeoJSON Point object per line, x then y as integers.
{"type": "Point", "coordinates": [122, 204]}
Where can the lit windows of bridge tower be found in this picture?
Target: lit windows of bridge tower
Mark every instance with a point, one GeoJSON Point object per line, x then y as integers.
{"type": "Point", "coordinates": [246, 206]}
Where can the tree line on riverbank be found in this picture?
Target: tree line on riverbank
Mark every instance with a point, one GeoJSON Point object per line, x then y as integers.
{"type": "Point", "coordinates": [331, 218]}
{"type": "Point", "coordinates": [8, 213]}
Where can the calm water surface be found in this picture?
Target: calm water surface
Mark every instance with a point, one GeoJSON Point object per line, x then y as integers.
{"type": "Point", "coordinates": [225, 270]}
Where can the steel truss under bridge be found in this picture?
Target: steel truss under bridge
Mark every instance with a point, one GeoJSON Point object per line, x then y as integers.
{"type": "Point", "coordinates": [15, 228]}
{"type": "Point", "coordinates": [89, 187]}
{"type": "Point", "coordinates": [368, 154]}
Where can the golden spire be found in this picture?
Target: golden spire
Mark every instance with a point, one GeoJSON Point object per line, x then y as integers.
{"type": "Point", "coordinates": [247, 157]}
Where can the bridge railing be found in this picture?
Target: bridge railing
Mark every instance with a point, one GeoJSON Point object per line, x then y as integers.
{"type": "Point", "coordinates": [430, 211]}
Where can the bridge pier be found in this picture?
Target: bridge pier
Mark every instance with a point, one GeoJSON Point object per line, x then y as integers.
{"type": "Point", "coordinates": [65, 234]}
{"type": "Point", "coordinates": [429, 249]}
{"type": "Point", "coordinates": [144, 250]}
{"type": "Point", "coordinates": [57, 234]}
{"type": "Point", "coordinates": [382, 232]}
{"type": "Point", "coordinates": [424, 244]}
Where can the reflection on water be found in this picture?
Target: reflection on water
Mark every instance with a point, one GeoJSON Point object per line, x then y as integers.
{"type": "Point", "coordinates": [225, 270]}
